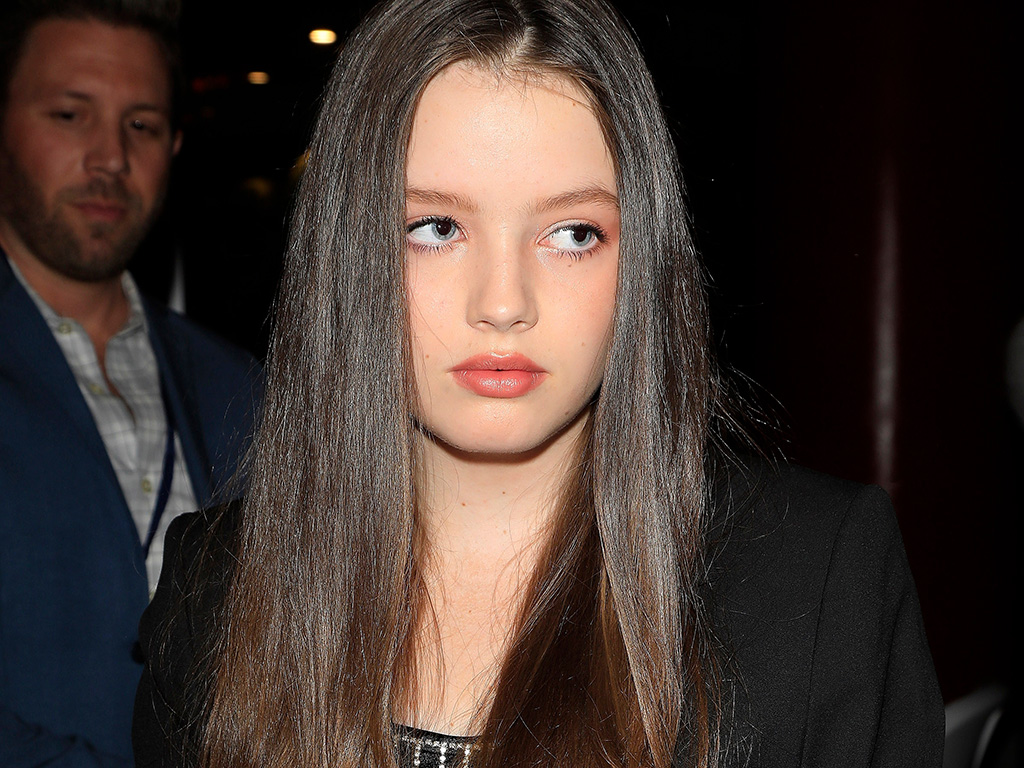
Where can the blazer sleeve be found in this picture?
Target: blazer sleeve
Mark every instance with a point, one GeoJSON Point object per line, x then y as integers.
{"type": "Point", "coordinates": [171, 692]}
{"type": "Point", "coordinates": [873, 699]}
{"type": "Point", "coordinates": [825, 657]}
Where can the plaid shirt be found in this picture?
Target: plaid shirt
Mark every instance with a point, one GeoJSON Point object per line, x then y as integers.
{"type": "Point", "coordinates": [131, 421]}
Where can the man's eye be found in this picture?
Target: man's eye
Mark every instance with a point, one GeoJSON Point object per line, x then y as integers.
{"type": "Point", "coordinates": [433, 231]}
{"type": "Point", "coordinates": [144, 126]}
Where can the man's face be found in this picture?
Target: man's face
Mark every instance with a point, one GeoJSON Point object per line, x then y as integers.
{"type": "Point", "coordinates": [85, 146]}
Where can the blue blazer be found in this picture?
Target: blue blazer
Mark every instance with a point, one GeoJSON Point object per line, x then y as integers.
{"type": "Point", "coordinates": [72, 571]}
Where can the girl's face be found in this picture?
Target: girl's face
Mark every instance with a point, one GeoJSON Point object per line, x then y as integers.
{"type": "Point", "coordinates": [512, 258]}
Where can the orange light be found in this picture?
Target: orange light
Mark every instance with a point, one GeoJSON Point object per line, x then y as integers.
{"type": "Point", "coordinates": [322, 36]}
{"type": "Point", "coordinates": [258, 78]}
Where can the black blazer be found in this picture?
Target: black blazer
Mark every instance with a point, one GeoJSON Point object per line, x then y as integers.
{"type": "Point", "coordinates": [824, 656]}
{"type": "Point", "coordinates": [827, 660]}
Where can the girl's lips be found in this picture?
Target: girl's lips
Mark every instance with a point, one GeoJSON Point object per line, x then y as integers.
{"type": "Point", "coordinates": [500, 376]}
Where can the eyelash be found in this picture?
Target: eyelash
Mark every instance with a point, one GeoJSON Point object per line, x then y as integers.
{"type": "Point", "coordinates": [599, 234]}
{"type": "Point", "coordinates": [425, 247]}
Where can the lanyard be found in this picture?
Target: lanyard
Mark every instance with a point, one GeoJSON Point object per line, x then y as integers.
{"type": "Point", "coordinates": [166, 476]}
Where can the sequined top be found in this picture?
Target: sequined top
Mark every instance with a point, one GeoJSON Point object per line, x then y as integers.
{"type": "Point", "coordinates": [417, 748]}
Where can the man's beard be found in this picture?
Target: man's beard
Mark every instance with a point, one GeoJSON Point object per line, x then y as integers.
{"type": "Point", "coordinates": [100, 253]}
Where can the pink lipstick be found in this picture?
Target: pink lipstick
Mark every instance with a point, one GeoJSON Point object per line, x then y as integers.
{"type": "Point", "coordinates": [504, 376]}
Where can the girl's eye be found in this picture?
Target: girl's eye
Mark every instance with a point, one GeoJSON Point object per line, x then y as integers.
{"type": "Point", "coordinates": [433, 232]}
{"type": "Point", "coordinates": [575, 238]}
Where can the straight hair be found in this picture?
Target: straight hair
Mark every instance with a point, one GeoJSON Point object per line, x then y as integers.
{"type": "Point", "coordinates": [610, 661]}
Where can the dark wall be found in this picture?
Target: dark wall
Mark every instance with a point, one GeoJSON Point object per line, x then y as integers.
{"type": "Point", "coordinates": [893, 291]}
{"type": "Point", "coordinates": [849, 175]}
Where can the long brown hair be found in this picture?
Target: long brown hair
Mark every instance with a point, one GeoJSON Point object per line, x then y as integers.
{"type": "Point", "coordinates": [608, 663]}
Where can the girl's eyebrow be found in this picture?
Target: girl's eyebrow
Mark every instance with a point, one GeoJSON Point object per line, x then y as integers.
{"type": "Point", "coordinates": [443, 199]}
{"type": "Point", "coordinates": [586, 196]}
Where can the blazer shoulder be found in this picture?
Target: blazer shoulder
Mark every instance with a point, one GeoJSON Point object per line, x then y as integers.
{"type": "Point", "coordinates": [762, 502]}
{"type": "Point", "coordinates": [177, 634]}
{"type": "Point", "coordinates": [182, 336]}
{"type": "Point", "coordinates": [198, 542]}
{"type": "Point", "coordinates": [816, 608]}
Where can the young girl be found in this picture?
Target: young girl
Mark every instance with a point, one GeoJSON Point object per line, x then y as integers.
{"type": "Point", "coordinates": [484, 522]}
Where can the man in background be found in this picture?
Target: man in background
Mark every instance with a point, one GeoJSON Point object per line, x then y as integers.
{"type": "Point", "coordinates": [115, 415]}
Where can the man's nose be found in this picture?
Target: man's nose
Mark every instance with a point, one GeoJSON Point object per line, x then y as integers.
{"type": "Point", "coordinates": [108, 149]}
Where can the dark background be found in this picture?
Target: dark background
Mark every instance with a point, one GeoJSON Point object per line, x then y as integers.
{"type": "Point", "coordinates": [848, 170]}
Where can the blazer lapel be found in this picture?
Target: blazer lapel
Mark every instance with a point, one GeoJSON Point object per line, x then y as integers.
{"type": "Point", "coordinates": [175, 365]}
{"type": "Point", "coordinates": [27, 344]}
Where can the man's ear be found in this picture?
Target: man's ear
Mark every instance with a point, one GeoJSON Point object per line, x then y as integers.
{"type": "Point", "coordinates": [176, 145]}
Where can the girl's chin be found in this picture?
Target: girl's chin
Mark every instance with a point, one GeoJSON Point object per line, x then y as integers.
{"type": "Point", "coordinates": [501, 444]}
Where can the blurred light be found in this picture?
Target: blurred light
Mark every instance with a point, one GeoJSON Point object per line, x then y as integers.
{"type": "Point", "coordinates": [258, 78]}
{"type": "Point", "coordinates": [260, 189]}
{"type": "Point", "coordinates": [322, 36]}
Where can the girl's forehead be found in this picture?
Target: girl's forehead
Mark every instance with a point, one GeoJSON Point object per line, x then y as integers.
{"type": "Point", "coordinates": [509, 127]}
{"type": "Point", "coordinates": [522, 79]}
{"type": "Point", "coordinates": [482, 84]}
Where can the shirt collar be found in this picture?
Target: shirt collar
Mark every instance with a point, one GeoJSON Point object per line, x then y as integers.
{"type": "Point", "coordinates": [136, 314]}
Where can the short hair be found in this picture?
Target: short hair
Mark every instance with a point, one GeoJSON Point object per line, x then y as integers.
{"type": "Point", "coordinates": [157, 17]}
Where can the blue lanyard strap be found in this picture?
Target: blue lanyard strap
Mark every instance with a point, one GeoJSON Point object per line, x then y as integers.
{"type": "Point", "coordinates": [166, 477]}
